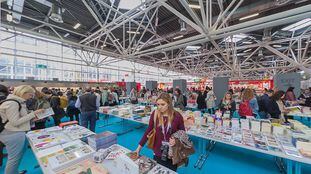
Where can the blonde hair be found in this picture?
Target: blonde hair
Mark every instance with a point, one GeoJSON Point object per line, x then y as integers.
{"type": "Point", "coordinates": [168, 99]}
{"type": "Point", "coordinates": [248, 94]}
{"type": "Point", "coordinates": [21, 90]}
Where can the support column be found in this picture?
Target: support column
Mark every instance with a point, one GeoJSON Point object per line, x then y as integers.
{"type": "Point", "coordinates": [220, 87]}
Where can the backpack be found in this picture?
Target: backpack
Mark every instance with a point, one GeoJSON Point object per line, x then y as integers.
{"type": "Point", "coordinates": [185, 100]}
{"type": "Point", "coordinates": [72, 103]}
{"type": "Point", "coordinates": [2, 125]}
{"type": "Point", "coordinates": [63, 102]}
{"type": "Point", "coordinates": [245, 109]}
{"type": "Point", "coordinates": [261, 104]}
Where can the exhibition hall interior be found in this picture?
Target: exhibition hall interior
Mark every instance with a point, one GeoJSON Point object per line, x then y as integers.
{"type": "Point", "coordinates": [155, 86]}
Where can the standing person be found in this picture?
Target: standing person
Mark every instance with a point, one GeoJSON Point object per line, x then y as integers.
{"type": "Point", "coordinates": [17, 121]}
{"type": "Point", "coordinates": [79, 92]}
{"type": "Point", "coordinates": [115, 95]}
{"type": "Point", "coordinates": [72, 111]}
{"type": "Point", "coordinates": [201, 100]}
{"type": "Point", "coordinates": [133, 96]}
{"type": "Point", "coordinates": [276, 107]}
{"type": "Point", "coordinates": [179, 99]}
{"type": "Point", "coordinates": [88, 103]}
{"type": "Point", "coordinates": [290, 95]}
{"type": "Point", "coordinates": [254, 103]}
{"type": "Point", "coordinates": [263, 103]}
{"type": "Point", "coordinates": [4, 92]}
{"type": "Point", "coordinates": [40, 101]}
{"type": "Point", "coordinates": [59, 112]}
{"type": "Point", "coordinates": [227, 104]}
{"type": "Point", "coordinates": [143, 92]}
{"type": "Point", "coordinates": [245, 108]}
{"type": "Point", "coordinates": [166, 122]}
{"type": "Point", "coordinates": [210, 100]}
{"type": "Point", "coordinates": [105, 96]}
{"type": "Point", "coordinates": [63, 100]}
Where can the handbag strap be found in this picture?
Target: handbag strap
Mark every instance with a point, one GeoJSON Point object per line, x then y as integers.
{"type": "Point", "coordinates": [155, 119]}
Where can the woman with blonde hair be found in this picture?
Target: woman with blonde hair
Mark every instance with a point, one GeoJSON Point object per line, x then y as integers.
{"type": "Point", "coordinates": [166, 122]}
{"type": "Point", "coordinates": [249, 105]}
{"type": "Point", "coordinates": [17, 120]}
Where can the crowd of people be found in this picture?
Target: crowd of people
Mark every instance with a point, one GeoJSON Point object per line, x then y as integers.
{"type": "Point", "coordinates": [20, 106]}
{"type": "Point", "coordinates": [270, 104]}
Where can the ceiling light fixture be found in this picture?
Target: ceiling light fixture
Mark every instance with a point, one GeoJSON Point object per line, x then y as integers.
{"type": "Point", "coordinates": [249, 16]}
{"type": "Point", "coordinates": [247, 42]}
{"type": "Point", "coordinates": [247, 50]}
{"type": "Point", "coordinates": [178, 37]}
{"type": "Point", "coordinates": [66, 35]}
{"type": "Point", "coordinates": [194, 6]}
{"type": "Point", "coordinates": [277, 46]}
{"type": "Point", "coordinates": [77, 26]}
{"type": "Point", "coordinates": [298, 25]}
{"type": "Point", "coordinates": [133, 32]}
{"type": "Point", "coordinates": [193, 47]}
{"type": "Point", "coordinates": [235, 38]}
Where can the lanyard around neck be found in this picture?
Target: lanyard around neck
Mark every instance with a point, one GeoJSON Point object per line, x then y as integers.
{"type": "Point", "coordinates": [167, 129]}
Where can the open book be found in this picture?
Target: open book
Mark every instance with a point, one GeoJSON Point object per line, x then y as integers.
{"type": "Point", "coordinates": [47, 112]}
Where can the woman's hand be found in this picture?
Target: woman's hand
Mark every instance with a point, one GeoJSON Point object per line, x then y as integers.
{"type": "Point", "coordinates": [36, 112]}
{"type": "Point", "coordinates": [172, 142]}
{"type": "Point", "coordinates": [137, 151]}
{"type": "Point", "coordinates": [39, 111]}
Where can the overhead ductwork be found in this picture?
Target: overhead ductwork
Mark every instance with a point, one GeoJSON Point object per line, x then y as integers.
{"type": "Point", "coordinates": [45, 2]}
{"type": "Point", "coordinates": [17, 8]}
{"type": "Point", "coordinates": [56, 14]}
{"type": "Point", "coordinates": [282, 2]}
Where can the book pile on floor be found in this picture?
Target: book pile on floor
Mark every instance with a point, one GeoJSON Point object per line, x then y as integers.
{"type": "Point", "coordinates": [102, 140]}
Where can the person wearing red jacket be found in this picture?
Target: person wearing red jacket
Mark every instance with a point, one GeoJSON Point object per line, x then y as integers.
{"type": "Point", "coordinates": [168, 121]}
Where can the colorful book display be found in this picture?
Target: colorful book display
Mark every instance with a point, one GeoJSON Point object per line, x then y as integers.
{"type": "Point", "coordinates": [62, 156]}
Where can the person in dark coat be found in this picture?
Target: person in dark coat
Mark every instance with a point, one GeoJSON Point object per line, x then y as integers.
{"type": "Point", "coordinates": [201, 100]}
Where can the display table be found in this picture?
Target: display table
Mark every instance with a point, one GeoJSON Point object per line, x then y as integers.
{"type": "Point", "coordinates": [43, 140]}
{"type": "Point", "coordinates": [78, 156]}
{"type": "Point", "coordinates": [293, 162]}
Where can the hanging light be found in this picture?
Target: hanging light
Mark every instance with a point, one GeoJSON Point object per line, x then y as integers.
{"type": "Point", "coordinates": [56, 14]}
{"type": "Point", "coordinates": [182, 25]}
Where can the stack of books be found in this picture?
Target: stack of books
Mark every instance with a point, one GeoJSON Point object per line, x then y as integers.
{"type": "Point", "coordinates": [255, 125]}
{"type": "Point", "coordinates": [102, 140]}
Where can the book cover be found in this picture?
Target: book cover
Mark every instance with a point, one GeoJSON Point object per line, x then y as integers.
{"type": "Point", "coordinates": [47, 112]}
{"type": "Point", "coordinates": [85, 167]}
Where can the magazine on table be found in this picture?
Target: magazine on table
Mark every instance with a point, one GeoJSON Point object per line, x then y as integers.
{"type": "Point", "coordinates": [43, 140]}
{"type": "Point", "coordinates": [145, 164]}
{"type": "Point", "coordinates": [62, 156]}
{"type": "Point", "coordinates": [161, 169]}
{"type": "Point", "coordinates": [87, 166]}
{"type": "Point", "coordinates": [77, 132]}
